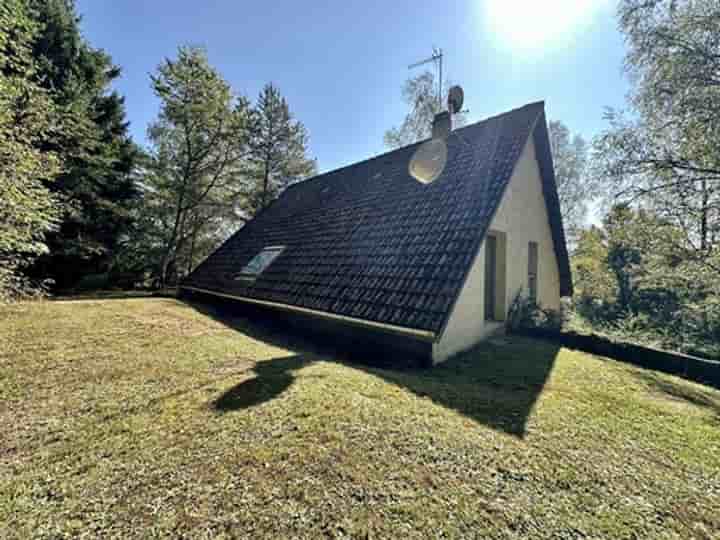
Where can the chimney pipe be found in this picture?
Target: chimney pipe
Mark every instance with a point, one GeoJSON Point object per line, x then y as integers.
{"type": "Point", "coordinates": [442, 125]}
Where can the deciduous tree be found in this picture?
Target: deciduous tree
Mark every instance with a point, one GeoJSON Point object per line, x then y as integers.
{"type": "Point", "coordinates": [28, 211]}
{"type": "Point", "coordinates": [665, 150]}
{"type": "Point", "coordinates": [576, 188]}
{"type": "Point", "coordinates": [420, 93]}
{"type": "Point", "coordinates": [200, 144]}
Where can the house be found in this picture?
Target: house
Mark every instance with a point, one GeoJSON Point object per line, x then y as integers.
{"type": "Point", "coordinates": [421, 249]}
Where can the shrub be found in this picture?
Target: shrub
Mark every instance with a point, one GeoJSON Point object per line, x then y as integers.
{"type": "Point", "coordinates": [14, 286]}
{"type": "Point", "coordinates": [525, 313]}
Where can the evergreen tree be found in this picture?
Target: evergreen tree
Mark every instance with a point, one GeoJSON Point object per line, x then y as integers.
{"type": "Point", "coordinates": [96, 182]}
{"type": "Point", "coordinates": [278, 150]}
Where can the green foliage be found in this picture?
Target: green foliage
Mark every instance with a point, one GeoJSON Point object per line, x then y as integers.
{"type": "Point", "coordinates": [420, 93]}
{"type": "Point", "coordinates": [95, 183]}
{"type": "Point", "coordinates": [195, 181]}
{"type": "Point", "coordinates": [524, 313]}
{"type": "Point", "coordinates": [215, 161]}
{"type": "Point", "coordinates": [593, 280]}
{"type": "Point", "coordinates": [92, 282]}
{"type": "Point", "coordinates": [665, 151]}
{"type": "Point", "coordinates": [278, 150]}
{"type": "Point", "coordinates": [662, 159]}
{"type": "Point", "coordinates": [633, 281]}
{"type": "Point", "coordinates": [576, 188]}
{"type": "Point", "coordinates": [27, 121]}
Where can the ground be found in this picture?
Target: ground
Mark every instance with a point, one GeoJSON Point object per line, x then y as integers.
{"type": "Point", "coordinates": [154, 418]}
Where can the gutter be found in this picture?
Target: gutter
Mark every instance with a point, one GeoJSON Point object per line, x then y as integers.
{"type": "Point", "coordinates": [424, 335]}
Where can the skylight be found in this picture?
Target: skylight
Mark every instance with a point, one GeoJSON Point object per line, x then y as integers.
{"type": "Point", "coordinates": [260, 262]}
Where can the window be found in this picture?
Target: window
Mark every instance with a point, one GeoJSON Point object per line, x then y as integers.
{"type": "Point", "coordinates": [532, 270]}
{"type": "Point", "coordinates": [260, 262]}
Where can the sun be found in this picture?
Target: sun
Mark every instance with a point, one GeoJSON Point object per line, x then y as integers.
{"type": "Point", "coordinates": [533, 25]}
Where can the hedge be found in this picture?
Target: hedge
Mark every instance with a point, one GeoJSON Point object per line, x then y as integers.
{"type": "Point", "coordinates": [675, 363]}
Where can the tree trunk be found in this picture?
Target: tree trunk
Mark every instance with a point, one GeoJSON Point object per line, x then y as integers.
{"type": "Point", "coordinates": [704, 216]}
{"type": "Point", "coordinates": [165, 262]}
{"type": "Point", "coordinates": [192, 251]}
{"type": "Point", "coordinates": [266, 186]}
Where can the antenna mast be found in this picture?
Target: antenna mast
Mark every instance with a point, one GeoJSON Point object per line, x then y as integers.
{"type": "Point", "coordinates": [437, 58]}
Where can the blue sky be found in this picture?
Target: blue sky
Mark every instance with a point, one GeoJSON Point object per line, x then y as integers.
{"type": "Point", "coordinates": [341, 64]}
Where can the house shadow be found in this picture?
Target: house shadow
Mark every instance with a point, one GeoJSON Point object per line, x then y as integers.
{"type": "Point", "coordinates": [496, 384]}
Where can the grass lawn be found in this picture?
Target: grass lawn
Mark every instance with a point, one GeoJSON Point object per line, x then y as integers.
{"type": "Point", "coordinates": [150, 417]}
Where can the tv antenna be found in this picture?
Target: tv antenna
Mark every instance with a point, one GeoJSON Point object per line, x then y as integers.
{"type": "Point", "coordinates": [437, 59]}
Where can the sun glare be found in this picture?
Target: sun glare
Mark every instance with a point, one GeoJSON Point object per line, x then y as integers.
{"type": "Point", "coordinates": [533, 25]}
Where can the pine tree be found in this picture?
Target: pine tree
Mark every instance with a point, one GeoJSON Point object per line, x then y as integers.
{"type": "Point", "coordinates": [278, 150]}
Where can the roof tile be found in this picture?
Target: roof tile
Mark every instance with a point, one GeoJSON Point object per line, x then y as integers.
{"type": "Point", "coordinates": [369, 241]}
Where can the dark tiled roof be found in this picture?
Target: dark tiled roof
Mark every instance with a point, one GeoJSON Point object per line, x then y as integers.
{"type": "Point", "coordinates": [369, 241]}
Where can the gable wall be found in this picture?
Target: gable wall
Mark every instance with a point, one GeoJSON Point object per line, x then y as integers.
{"type": "Point", "coordinates": [522, 216]}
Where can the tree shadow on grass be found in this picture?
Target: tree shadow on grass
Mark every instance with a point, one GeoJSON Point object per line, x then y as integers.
{"type": "Point", "coordinates": [272, 378]}
{"type": "Point", "coordinates": [495, 384]}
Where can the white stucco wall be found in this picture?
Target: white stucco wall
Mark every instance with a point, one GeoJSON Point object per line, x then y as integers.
{"type": "Point", "coordinates": [522, 216]}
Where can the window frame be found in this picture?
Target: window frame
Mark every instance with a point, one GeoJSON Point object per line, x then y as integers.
{"type": "Point", "coordinates": [248, 273]}
{"type": "Point", "coordinates": [532, 273]}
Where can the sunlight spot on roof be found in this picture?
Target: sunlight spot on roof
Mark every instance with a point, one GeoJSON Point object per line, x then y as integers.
{"type": "Point", "coordinates": [428, 161]}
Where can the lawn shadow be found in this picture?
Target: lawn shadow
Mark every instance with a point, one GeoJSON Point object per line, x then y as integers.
{"type": "Point", "coordinates": [684, 391]}
{"type": "Point", "coordinates": [272, 378]}
{"type": "Point", "coordinates": [495, 384]}
{"type": "Point", "coordinates": [109, 295]}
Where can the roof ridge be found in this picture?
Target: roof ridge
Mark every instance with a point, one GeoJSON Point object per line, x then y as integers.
{"type": "Point", "coordinates": [407, 147]}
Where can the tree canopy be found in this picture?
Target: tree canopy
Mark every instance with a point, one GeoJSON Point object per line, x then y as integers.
{"type": "Point", "coordinates": [278, 150]}
{"type": "Point", "coordinates": [28, 121]}
{"type": "Point", "coordinates": [199, 146]}
{"type": "Point", "coordinates": [576, 188]}
{"type": "Point", "coordinates": [664, 151]}
{"type": "Point", "coordinates": [96, 182]}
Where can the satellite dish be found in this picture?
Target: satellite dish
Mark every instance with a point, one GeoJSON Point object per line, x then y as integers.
{"type": "Point", "coordinates": [428, 161]}
{"type": "Point", "coordinates": [455, 99]}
